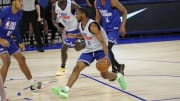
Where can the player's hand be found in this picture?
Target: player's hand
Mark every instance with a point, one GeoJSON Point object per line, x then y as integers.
{"type": "Point", "coordinates": [60, 30]}
{"type": "Point", "coordinates": [70, 35]}
{"type": "Point", "coordinates": [122, 32]}
{"type": "Point", "coordinates": [106, 59]}
{"type": "Point", "coordinates": [39, 19]}
{"type": "Point", "coordinates": [22, 47]}
{"type": "Point", "coordinates": [4, 42]}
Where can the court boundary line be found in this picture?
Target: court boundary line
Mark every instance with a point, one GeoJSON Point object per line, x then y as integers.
{"type": "Point", "coordinates": [167, 99]}
{"type": "Point", "coordinates": [137, 97]}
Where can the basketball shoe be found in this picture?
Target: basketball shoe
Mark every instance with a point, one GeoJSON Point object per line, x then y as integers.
{"type": "Point", "coordinates": [61, 71]}
{"type": "Point", "coordinates": [61, 92]}
{"type": "Point", "coordinates": [36, 86]}
{"type": "Point", "coordinates": [121, 81]}
{"type": "Point", "coordinates": [119, 68]}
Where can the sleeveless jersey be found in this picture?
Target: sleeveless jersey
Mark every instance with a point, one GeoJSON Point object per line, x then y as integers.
{"type": "Point", "coordinates": [92, 44]}
{"type": "Point", "coordinates": [66, 17]}
{"type": "Point", "coordinates": [10, 24]}
{"type": "Point", "coordinates": [110, 17]}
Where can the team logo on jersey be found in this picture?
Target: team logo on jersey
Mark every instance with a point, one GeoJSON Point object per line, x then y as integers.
{"type": "Point", "coordinates": [86, 37]}
{"type": "Point", "coordinates": [10, 25]}
{"type": "Point", "coordinates": [64, 16]}
{"type": "Point", "coordinates": [106, 14]}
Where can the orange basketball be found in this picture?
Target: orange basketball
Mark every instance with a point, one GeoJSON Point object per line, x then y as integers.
{"type": "Point", "coordinates": [102, 65]}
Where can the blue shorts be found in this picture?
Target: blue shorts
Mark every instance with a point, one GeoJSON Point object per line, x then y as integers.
{"type": "Point", "coordinates": [88, 58]}
{"type": "Point", "coordinates": [71, 41]}
{"type": "Point", "coordinates": [113, 36]}
{"type": "Point", "coordinates": [12, 49]}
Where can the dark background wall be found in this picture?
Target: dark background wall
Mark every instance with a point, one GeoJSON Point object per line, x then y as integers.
{"type": "Point", "coordinates": [158, 16]}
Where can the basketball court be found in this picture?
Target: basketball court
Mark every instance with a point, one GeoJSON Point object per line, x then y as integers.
{"type": "Point", "coordinates": [152, 73]}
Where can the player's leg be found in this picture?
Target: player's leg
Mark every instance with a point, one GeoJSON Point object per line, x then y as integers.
{"type": "Point", "coordinates": [34, 85]}
{"type": "Point", "coordinates": [64, 56]}
{"type": "Point", "coordinates": [15, 52]}
{"type": "Point", "coordinates": [67, 42]}
{"type": "Point", "coordinates": [4, 64]}
{"type": "Point", "coordinates": [112, 39]}
{"type": "Point", "coordinates": [2, 90]}
{"type": "Point", "coordinates": [84, 60]}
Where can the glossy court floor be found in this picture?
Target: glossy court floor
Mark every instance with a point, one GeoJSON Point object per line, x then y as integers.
{"type": "Point", "coordinates": [152, 73]}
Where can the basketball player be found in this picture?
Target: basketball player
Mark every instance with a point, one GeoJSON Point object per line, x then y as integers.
{"type": "Point", "coordinates": [64, 20]}
{"type": "Point", "coordinates": [9, 26]}
{"type": "Point", "coordinates": [96, 48]}
{"type": "Point", "coordinates": [108, 13]}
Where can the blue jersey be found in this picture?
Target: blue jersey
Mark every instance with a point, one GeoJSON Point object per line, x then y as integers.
{"type": "Point", "coordinates": [10, 24]}
{"type": "Point", "coordinates": [110, 17]}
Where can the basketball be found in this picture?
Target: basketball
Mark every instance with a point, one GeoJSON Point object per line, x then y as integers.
{"type": "Point", "coordinates": [102, 65]}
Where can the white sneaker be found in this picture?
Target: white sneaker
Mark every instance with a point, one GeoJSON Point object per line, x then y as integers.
{"type": "Point", "coordinates": [36, 86]}
{"type": "Point", "coordinates": [61, 71]}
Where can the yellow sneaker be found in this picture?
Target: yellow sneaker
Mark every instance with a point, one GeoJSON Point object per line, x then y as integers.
{"type": "Point", "coordinates": [60, 72]}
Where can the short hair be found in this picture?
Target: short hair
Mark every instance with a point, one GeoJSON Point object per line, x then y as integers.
{"type": "Point", "coordinates": [84, 10]}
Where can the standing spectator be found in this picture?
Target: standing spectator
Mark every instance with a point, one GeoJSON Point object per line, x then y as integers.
{"type": "Point", "coordinates": [49, 20]}
{"type": "Point", "coordinates": [31, 14]}
{"type": "Point", "coordinates": [108, 14]}
{"type": "Point", "coordinates": [44, 6]}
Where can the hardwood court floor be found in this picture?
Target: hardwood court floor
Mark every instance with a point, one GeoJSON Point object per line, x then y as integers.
{"type": "Point", "coordinates": [152, 72]}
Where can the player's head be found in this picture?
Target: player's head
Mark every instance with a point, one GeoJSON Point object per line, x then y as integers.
{"type": "Point", "coordinates": [17, 4]}
{"type": "Point", "coordinates": [82, 13]}
{"type": "Point", "coordinates": [61, 1]}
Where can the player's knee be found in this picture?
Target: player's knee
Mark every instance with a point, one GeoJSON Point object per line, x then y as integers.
{"type": "Point", "coordinates": [76, 69]}
{"type": "Point", "coordinates": [6, 61]}
{"type": "Point", "coordinates": [64, 48]}
{"type": "Point", "coordinates": [63, 51]}
{"type": "Point", "coordinates": [21, 58]}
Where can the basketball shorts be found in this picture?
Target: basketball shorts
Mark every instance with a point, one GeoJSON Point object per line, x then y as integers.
{"type": "Point", "coordinates": [12, 49]}
{"type": "Point", "coordinates": [113, 36]}
{"type": "Point", "coordinates": [88, 58]}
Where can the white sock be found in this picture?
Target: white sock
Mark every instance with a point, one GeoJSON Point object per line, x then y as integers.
{"type": "Point", "coordinates": [31, 81]}
{"type": "Point", "coordinates": [67, 88]}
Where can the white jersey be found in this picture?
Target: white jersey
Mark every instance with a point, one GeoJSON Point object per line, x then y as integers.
{"type": "Point", "coordinates": [92, 44]}
{"type": "Point", "coordinates": [66, 17]}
